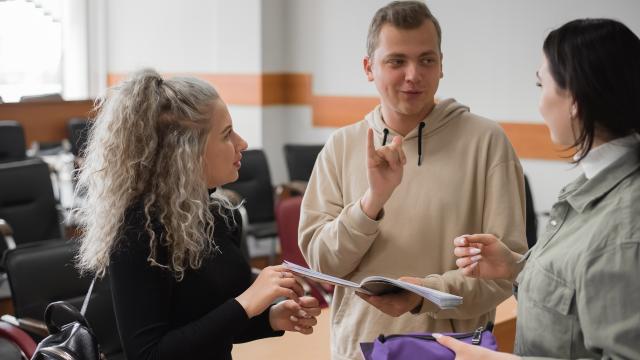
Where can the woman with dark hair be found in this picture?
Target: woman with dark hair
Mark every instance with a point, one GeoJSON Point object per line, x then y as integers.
{"type": "Point", "coordinates": [170, 243]}
{"type": "Point", "coordinates": [578, 289]}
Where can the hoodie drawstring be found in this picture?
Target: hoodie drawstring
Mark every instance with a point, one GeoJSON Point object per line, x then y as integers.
{"type": "Point", "coordinates": [422, 125]}
{"type": "Point", "coordinates": [384, 139]}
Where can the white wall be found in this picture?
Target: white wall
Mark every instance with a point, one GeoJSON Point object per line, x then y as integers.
{"type": "Point", "coordinates": [491, 49]}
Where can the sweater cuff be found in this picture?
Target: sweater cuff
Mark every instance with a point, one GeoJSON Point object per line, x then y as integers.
{"type": "Point", "coordinates": [433, 282]}
{"type": "Point", "coordinates": [264, 328]}
{"type": "Point", "coordinates": [359, 221]}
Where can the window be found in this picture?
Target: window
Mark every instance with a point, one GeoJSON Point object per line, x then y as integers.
{"type": "Point", "coordinates": [30, 48]}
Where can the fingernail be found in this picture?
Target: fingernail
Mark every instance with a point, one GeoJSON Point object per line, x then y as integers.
{"type": "Point", "coordinates": [437, 335]}
{"type": "Point", "coordinates": [476, 258]}
{"type": "Point", "coordinates": [296, 328]}
{"type": "Point", "coordinates": [293, 318]}
{"type": "Point", "coordinates": [474, 251]}
{"type": "Point", "coordinates": [303, 313]}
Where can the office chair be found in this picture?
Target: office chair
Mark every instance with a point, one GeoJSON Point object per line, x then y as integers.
{"type": "Point", "coordinates": [78, 130]}
{"type": "Point", "coordinates": [300, 160]}
{"type": "Point", "coordinates": [288, 218]}
{"type": "Point", "coordinates": [27, 203]}
{"type": "Point", "coordinates": [11, 347]}
{"type": "Point", "coordinates": [254, 185]}
{"type": "Point", "coordinates": [530, 216]}
{"type": "Point", "coordinates": [41, 273]}
{"type": "Point", "coordinates": [12, 143]}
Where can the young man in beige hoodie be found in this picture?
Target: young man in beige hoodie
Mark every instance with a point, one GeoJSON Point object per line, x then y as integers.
{"type": "Point", "coordinates": [389, 193]}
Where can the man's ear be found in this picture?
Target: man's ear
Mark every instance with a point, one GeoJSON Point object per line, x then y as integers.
{"type": "Point", "coordinates": [367, 63]}
{"type": "Point", "coordinates": [574, 110]}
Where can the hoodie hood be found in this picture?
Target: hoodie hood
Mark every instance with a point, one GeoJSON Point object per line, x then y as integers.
{"type": "Point", "coordinates": [442, 112]}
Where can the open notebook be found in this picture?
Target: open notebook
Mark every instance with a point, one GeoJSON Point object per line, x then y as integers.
{"type": "Point", "coordinates": [379, 285]}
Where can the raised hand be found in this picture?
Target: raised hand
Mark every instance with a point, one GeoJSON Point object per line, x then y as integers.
{"type": "Point", "coordinates": [484, 256]}
{"type": "Point", "coordinates": [384, 171]}
{"type": "Point", "coordinates": [299, 316]}
{"type": "Point", "coordinates": [272, 283]}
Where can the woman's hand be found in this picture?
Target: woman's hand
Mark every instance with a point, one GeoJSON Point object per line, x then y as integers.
{"type": "Point", "coordinates": [395, 304]}
{"type": "Point", "coordinates": [299, 316]}
{"type": "Point", "coordinates": [485, 256]}
{"type": "Point", "coordinates": [466, 351]}
{"type": "Point", "coordinates": [272, 283]}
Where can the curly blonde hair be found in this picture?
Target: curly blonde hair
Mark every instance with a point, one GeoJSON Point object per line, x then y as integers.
{"type": "Point", "coordinates": [147, 144]}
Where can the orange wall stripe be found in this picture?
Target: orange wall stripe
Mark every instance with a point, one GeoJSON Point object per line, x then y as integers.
{"type": "Point", "coordinates": [532, 141]}
{"type": "Point", "coordinates": [249, 89]}
{"type": "Point", "coordinates": [336, 111]}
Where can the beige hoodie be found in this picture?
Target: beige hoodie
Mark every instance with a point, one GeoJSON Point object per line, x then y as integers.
{"type": "Point", "coordinates": [470, 181]}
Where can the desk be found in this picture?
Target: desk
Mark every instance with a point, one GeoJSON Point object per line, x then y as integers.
{"type": "Point", "coordinates": [316, 346]}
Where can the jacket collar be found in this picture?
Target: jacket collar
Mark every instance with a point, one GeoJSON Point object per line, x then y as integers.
{"type": "Point", "coordinates": [582, 192]}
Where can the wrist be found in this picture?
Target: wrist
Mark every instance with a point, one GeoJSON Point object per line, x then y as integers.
{"type": "Point", "coordinates": [246, 305]}
{"type": "Point", "coordinates": [372, 204]}
{"type": "Point", "coordinates": [416, 305]}
{"type": "Point", "coordinates": [516, 265]}
{"type": "Point", "coordinates": [273, 318]}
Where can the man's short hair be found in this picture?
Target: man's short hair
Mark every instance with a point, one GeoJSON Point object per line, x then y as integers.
{"type": "Point", "coordinates": [407, 15]}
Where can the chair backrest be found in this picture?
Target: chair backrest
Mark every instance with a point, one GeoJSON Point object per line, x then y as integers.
{"type": "Point", "coordinates": [27, 202]}
{"type": "Point", "coordinates": [530, 216]}
{"type": "Point", "coordinates": [12, 143]}
{"type": "Point", "coordinates": [287, 219]}
{"type": "Point", "coordinates": [254, 185]}
{"type": "Point", "coordinates": [41, 273]}
{"type": "Point", "coordinates": [41, 97]}
{"type": "Point", "coordinates": [78, 129]}
{"type": "Point", "coordinates": [300, 160]}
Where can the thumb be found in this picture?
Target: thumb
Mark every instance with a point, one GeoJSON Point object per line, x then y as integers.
{"type": "Point", "coordinates": [484, 239]}
{"type": "Point", "coordinates": [412, 280]}
{"type": "Point", "coordinates": [447, 341]}
{"type": "Point", "coordinates": [291, 305]}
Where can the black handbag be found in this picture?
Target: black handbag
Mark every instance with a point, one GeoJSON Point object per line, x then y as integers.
{"type": "Point", "coordinates": [73, 341]}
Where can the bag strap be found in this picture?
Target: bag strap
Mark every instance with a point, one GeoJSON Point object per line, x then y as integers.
{"type": "Point", "coordinates": [69, 310]}
{"type": "Point", "coordinates": [85, 303]}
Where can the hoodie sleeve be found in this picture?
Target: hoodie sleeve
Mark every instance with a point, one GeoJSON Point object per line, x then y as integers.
{"type": "Point", "coordinates": [333, 236]}
{"type": "Point", "coordinates": [504, 216]}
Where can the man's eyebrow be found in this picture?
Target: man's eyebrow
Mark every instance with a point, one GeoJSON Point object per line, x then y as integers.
{"type": "Point", "coordinates": [395, 55]}
{"type": "Point", "coordinates": [429, 53]}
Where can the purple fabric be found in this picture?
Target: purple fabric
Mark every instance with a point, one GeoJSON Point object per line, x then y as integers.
{"type": "Point", "coordinates": [408, 348]}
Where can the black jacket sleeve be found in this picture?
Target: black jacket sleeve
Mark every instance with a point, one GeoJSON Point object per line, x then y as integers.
{"type": "Point", "coordinates": [144, 301]}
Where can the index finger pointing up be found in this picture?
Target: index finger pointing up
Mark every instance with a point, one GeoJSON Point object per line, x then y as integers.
{"type": "Point", "coordinates": [371, 149]}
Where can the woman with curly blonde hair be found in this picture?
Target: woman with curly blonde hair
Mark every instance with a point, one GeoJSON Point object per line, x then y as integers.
{"type": "Point", "coordinates": [169, 241]}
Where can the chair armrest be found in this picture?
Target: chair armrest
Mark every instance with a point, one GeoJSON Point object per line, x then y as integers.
{"type": "Point", "coordinates": [20, 338]}
{"type": "Point", "coordinates": [290, 189]}
{"type": "Point", "coordinates": [30, 325]}
{"type": "Point", "coordinates": [7, 234]}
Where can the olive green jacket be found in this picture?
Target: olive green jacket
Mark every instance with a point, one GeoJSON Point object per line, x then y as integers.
{"type": "Point", "coordinates": [579, 292]}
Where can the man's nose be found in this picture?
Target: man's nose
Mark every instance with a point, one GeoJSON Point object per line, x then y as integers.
{"type": "Point", "coordinates": [411, 73]}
